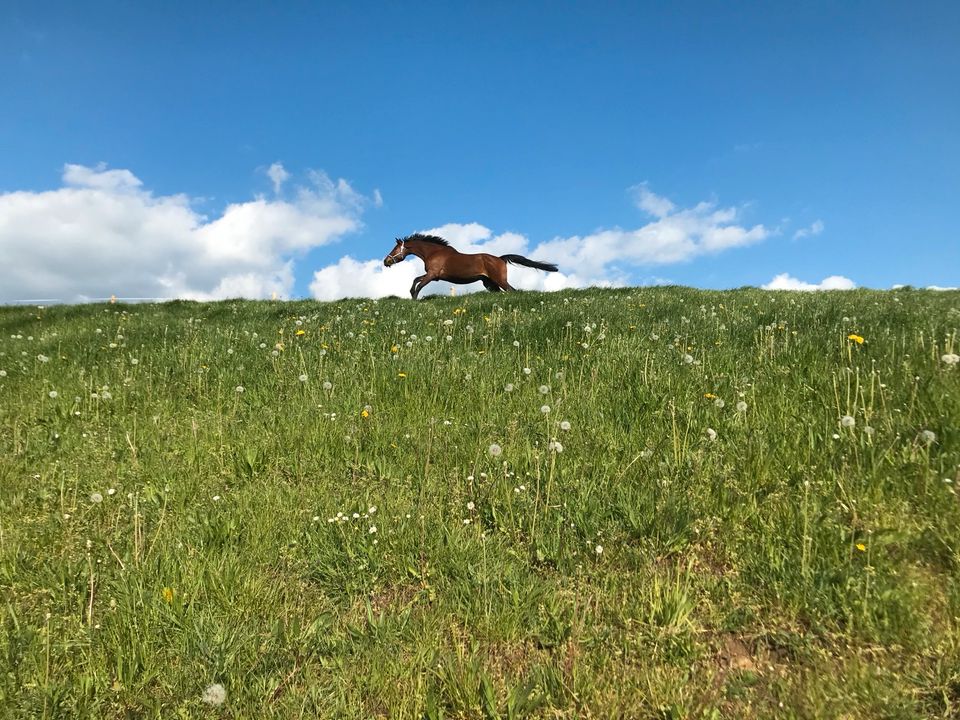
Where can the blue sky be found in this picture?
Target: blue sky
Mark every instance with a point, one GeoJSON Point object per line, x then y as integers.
{"type": "Point", "coordinates": [539, 119]}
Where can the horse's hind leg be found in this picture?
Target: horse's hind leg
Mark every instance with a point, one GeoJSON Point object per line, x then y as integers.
{"type": "Point", "coordinates": [491, 285]}
{"type": "Point", "coordinates": [499, 276]}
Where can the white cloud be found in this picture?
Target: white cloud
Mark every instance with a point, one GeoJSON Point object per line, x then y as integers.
{"type": "Point", "coordinates": [603, 258]}
{"type": "Point", "coordinates": [278, 175]}
{"type": "Point", "coordinates": [650, 202]}
{"type": "Point", "coordinates": [103, 234]}
{"type": "Point", "coordinates": [784, 281]}
{"type": "Point", "coordinates": [816, 227]}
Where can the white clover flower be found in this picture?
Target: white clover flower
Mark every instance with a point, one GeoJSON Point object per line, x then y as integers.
{"type": "Point", "coordinates": [847, 421]}
{"type": "Point", "coordinates": [495, 450]}
{"type": "Point", "coordinates": [96, 497]}
{"type": "Point", "coordinates": [741, 406]}
{"type": "Point", "coordinates": [470, 505]}
{"type": "Point", "coordinates": [544, 389]}
{"type": "Point", "coordinates": [215, 694]}
{"type": "Point", "coordinates": [950, 359]}
{"type": "Point", "coordinates": [564, 425]}
{"type": "Point", "coordinates": [598, 549]}
{"type": "Point", "coordinates": [372, 510]}
{"type": "Point", "coordinates": [239, 388]}
{"type": "Point", "coordinates": [216, 498]}
{"type": "Point", "coordinates": [372, 530]}
{"type": "Point", "coordinates": [711, 434]}
{"type": "Point", "coordinates": [545, 409]}
{"type": "Point", "coordinates": [928, 436]}
{"type": "Point", "coordinates": [303, 378]}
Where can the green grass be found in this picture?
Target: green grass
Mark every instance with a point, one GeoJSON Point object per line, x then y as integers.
{"type": "Point", "coordinates": [791, 567]}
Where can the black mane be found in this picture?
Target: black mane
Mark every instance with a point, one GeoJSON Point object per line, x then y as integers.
{"type": "Point", "coordinates": [425, 238]}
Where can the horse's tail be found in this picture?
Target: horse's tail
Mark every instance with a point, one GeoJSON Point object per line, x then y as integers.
{"type": "Point", "coordinates": [521, 260]}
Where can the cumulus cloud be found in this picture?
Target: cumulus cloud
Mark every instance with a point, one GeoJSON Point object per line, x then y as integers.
{"type": "Point", "coordinates": [785, 281]}
{"type": "Point", "coordinates": [103, 234]}
{"type": "Point", "coordinates": [815, 228]}
{"type": "Point", "coordinates": [603, 258]}
{"type": "Point", "coordinates": [278, 176]}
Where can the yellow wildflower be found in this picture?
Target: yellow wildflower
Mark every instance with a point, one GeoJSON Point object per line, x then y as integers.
{"type": "Point", "coordinates": [861, 547]}
{"type": "Point", "coordinates": [365, 413]}
{"type": "Point", "coordinates": [301, 332]}
{"type": "Point", "coordinates": [401, 375]}
{"type": "Point", "coordinates": [167, 594]}
{"type": "Point", "coordinates": [710, 396]}
{"type": "Point", "coordinates": [856, 338]}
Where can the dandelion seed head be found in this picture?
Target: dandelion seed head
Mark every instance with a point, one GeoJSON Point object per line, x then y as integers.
{"type": "Point", "coordinates": [53, 394]}
{"type": "Point", "coordinates": [303, 378]}
{"type": "Point", "coordinates": [508, 387]}
{"type": "Point", "coordinates": [215, 694]}
{"type": "Point", "coordinates": [545, 409]}
{"type": "Point", "coordinates": [741, 406]}
{"type": "Point", "coordinates": [711, 434]}
{"type": "Point", "coordinates": [495, 450]}
{"type": "Point", "coordinates": [847, 421]}
{"type": "Point", "coordinates": [96, 497]}
{"type": "Point", "coordinates": [928, 436]}
{"type": "Point", "coordinates": [564, 425]}
{"type": "Point", "coordinates": [327, 385]}
{"type": "Point", "coordinates": [544, 389]}
{"type": "Point", "coordinates": [239, 388]}
{"type": "Point", "coordinates": [950, 359]}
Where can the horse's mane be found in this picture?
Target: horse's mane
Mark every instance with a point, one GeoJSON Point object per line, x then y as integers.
{"type": "Point", "coordinates": [425, 238]}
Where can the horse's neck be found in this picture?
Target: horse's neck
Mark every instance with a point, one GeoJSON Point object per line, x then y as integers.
{"type": "Point", "coordinates": [425, 251]}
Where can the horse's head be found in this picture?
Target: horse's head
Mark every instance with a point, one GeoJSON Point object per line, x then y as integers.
{"type": "Point", "coordinates": [398, 253]}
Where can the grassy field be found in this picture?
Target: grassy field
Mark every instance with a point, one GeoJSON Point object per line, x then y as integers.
{"type": "Point", "coordinates": [658, 503]}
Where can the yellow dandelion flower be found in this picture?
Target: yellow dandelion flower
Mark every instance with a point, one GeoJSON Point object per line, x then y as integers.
{"type": "Point", "coordinates": [394, 348]}
{"type": "Point", "coordinates": [856, 338]}
{"type": "Point", "coordinates": [710, 396]}
{"type": "Point", "coordinates": [365, 413]}
{"type": "Point", "coordinates": [401, 375]}
{"type": "Point", "coordinates": [301, 332]}
{"type": "Point", "coordinates": [167, 593]}
{"type": "Point", "coordinates": [861, 547]}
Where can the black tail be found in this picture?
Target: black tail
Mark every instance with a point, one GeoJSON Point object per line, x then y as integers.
{"type": "Point", "coordinates": [521, 260]}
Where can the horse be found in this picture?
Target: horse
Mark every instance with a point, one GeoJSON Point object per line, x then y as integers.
{"type": "Point", "coordinates": [443, 262]}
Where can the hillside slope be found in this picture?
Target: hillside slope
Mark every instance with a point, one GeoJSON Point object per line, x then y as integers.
{"type": "Point", "coordinates": [633, 503]}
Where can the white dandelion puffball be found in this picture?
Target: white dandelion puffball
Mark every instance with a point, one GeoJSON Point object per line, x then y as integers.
{"type": "Point", "coordinates": [495, 450]}
{"type": "Point", "coordinates": [598, 549]}
{"type": "Point", "coordinates": [3, 373]}
{"type": "Point", "coordinates": [96, 497]}
{"type": "Point", "coordinates": [741, 406]}
{"type": "Point", "coordinates": [327, 385]}
{"type": "Point", "coordinates": [470, 505]}
{"type": "Point", "coordinates": [372, 530]}
{"type": "Point", "coordinates": [847, 421]}
{"type": "Point", "coordinates": [303, 378]}
{"type": "Point", "coordinates": [564, 425]}
{"type": "Point", "coordinates": [687, 358]}
{"type": "Point", "coordinates": [53, 394]}
{"type": "Point", "coordinates": [43, 358]}
{"type": "Point", "coordinates": [712, 434]}
{"type": "Point", "coordinates": [719, 402]}
{"type": "Point", "coordinates": [544, 389]}
{"type": "Point", "coordinates": [928, 436]}
{"type": "Point", "coordinates": [508, 387]}
{"type": "Point", "coordinates": [215, 694]}
{"type": "Point", "coordinates": [239, 388]}
{"type": "Point", "coordinates": [544, 409]}
{"type": "Point", "coordinates": [950, 359]}
{"type": "Point", "coordinates": [526, 371]}
{"type": "Point", "coordinates": [555, 446]}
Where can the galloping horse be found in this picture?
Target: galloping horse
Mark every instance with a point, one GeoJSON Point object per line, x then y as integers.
{"type": "Point", "coordinates": [443, 262]}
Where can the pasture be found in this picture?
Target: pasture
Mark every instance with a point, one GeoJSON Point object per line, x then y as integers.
{"type": "Point", "coordinates": [638, 503]}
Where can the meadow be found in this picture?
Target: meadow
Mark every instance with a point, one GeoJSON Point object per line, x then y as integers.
{"type": "Point", "coordinates": [636, 503]}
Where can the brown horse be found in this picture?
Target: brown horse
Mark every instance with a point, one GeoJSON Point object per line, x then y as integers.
{"type": "Point", "coordinates": [443, 262]}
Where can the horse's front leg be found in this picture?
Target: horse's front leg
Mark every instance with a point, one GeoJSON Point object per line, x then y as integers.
{"type": "Point", "coordinates": [420, 283]}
